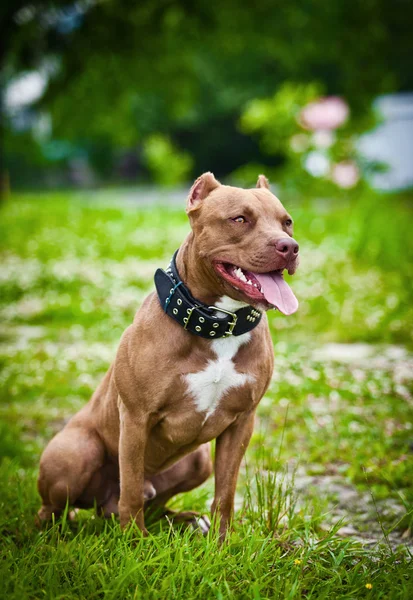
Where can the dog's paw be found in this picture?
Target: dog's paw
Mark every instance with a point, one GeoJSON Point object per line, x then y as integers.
{"type": "Point", "coordinates": [188, 520]}
{"type": "Point", "coordinates": [201, 523]}
{"type": "Point", "coordinates": [73, 514]}
{"type": "Point", "coordinates": [149, 491]}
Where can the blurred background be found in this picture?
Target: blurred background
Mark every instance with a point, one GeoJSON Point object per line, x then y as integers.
{"type": "Point", "coordinates": [109, 110]}
{"type": "Point", "coordinates": [98, 92]}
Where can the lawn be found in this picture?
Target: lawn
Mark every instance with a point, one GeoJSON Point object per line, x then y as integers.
{"type": "Point", "coordinates": [325, 496]}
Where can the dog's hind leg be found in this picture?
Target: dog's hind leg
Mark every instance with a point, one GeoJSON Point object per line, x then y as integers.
{"type": "Point", "coordinates": [110, 506]}
{"type": "Point", "coordinates": [66, 467]}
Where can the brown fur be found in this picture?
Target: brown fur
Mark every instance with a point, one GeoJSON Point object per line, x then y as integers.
{"type": "Point", "coordinates": [140, 438]}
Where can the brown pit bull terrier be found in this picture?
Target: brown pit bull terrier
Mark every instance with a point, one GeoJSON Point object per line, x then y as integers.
{"type": "Point", "coordinates": [191, 368]}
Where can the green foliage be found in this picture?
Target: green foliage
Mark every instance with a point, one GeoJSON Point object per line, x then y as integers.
{"type": "Point", "coordinates": [275, 119]}
{"type": "Point", "coordinates": [167, 164]}
{"type": "Point", "coordinates": [313, 158]}
{"type": "Point", "coordinates": [129, 69]}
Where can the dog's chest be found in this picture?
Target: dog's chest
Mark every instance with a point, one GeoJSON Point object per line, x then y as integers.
{"type": "Point", "coordinates": [208, 386]}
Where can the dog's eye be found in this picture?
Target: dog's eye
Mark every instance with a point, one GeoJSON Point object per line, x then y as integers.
{"type": "Point", "coordinates": [240, 219]}
{"type": "Point", "coordinates": [288, 223]}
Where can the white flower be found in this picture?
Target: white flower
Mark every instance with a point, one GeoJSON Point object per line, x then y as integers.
{"type": "Point", "coordinates": [325, 113]}
{"type": "Point", "coordinates": [317, 164]}
{"type": "Point", "coordinates": [323, 138]}
{"type": "Point", "coordinates": [345, 174]}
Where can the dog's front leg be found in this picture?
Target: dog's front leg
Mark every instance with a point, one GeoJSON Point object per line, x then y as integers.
{"type": "Point", "coordinates": [230, 448]}
{"type": "Point", "coordinates": [132, 442]}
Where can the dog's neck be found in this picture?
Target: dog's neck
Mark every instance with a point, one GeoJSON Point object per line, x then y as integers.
{"type": "Point", "coordinates": [197, 275]}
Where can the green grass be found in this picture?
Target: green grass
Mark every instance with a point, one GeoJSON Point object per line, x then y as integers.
{"type": "Point", "coordinates": [325, 497]}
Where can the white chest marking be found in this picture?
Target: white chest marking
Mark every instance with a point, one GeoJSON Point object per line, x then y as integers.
{"type": "Point", "coordinates": [207, 387]}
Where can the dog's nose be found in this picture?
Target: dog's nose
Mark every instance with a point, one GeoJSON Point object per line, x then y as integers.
{"type": "Point", "coordinates": [287, 248]}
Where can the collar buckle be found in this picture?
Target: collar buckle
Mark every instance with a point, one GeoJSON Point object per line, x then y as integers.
{"type": "Point", "coordinates": [231, 323]}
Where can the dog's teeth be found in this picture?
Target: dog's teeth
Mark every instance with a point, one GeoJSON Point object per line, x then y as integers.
{"type": "Point", "coordinates": [240, 274]}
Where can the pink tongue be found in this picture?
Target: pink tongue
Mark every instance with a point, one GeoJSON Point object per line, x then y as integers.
{"type": "Point", "coordinates": [277, 292]}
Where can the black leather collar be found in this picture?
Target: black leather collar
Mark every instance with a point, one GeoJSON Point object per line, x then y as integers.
{"type": "Point", "coordinates": [209, 322]}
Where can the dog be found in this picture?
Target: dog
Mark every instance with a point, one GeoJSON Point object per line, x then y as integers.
{"type": "Point", "coordinates": [191, 368]}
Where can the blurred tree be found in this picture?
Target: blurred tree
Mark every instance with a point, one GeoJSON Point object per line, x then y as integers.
{"type": "Point", "coordinates": [122, 70]}
{"type": "Point", "coordinates": [316, 136]}
{"type": "Point", "coordinates": [168, 166]}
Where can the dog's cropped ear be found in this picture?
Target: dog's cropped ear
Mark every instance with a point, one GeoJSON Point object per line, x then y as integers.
{"type": "Point", "coordinates": [203, 186]}
{"type": "Point", "coordinates": [263, 182]}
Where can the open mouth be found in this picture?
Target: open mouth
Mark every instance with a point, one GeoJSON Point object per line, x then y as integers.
{"type": "Point", "coordinates": [266, 288]}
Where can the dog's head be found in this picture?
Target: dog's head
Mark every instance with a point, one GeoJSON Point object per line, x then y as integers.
{"type": "Point", "coordinates": [245, 238]}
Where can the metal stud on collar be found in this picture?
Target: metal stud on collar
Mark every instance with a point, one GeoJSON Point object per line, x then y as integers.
{"type": "Point", "coordinates": [189, 313]}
